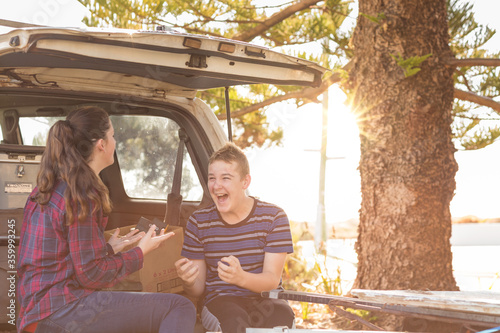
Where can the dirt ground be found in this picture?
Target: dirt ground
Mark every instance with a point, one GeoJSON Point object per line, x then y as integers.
{"type": "Point", "coordinates": [319, 316]}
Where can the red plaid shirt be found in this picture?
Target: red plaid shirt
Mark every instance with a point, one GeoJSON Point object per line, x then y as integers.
{"type": "Point", "coordinates": [59, 263]}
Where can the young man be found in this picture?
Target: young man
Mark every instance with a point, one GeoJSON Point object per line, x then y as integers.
{"type": "Point", "coordinates": [234, 250]}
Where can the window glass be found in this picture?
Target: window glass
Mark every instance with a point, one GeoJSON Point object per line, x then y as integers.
{"type": "Point", "coordinates": [147, 147]}
{"type": "Point", "coordinates": [34, 130]}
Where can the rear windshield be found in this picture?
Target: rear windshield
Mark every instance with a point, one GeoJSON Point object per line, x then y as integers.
{"type": "Point", "coordinates": [34, 131]}
{"type": "Point", "coordinates": [146, 148]}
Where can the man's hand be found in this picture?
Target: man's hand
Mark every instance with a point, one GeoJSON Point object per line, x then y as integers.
{"type": "Point", "coordinates": [193, 274]}
{"type": "Point", "coordinates": [187, 271]}
{"type": "Point", "coordinates": [230, 271]}
{"type": "Point", "coordinates": [118, 242]}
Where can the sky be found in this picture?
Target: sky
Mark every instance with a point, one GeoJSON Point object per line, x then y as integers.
{"type": "Point", "coordinates": [44, 12]}
{"type": "Point", "coordinates": [289, 175]}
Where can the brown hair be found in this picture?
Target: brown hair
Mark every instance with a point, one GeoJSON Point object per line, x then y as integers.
{"type": "Point", "coordinates": [232, 153]}
{"type": "Point", "coordinates": [69, 147]}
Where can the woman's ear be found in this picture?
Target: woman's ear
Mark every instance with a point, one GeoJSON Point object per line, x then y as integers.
{"type": "Point", "coordinates": [100, 144]}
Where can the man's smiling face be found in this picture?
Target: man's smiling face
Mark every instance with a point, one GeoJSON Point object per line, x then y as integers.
{"type": "Point", "coordinates": [226, 185]}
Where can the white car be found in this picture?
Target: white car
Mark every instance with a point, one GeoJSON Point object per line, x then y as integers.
{"type": "Point", "coordinates": [147, 81]}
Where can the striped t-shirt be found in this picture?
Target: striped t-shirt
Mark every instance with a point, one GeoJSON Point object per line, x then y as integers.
{"type": "Point", "coordinates": [209, 237]}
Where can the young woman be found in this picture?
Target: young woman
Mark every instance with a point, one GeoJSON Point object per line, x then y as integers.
{"type": "Point", "coordinates": [64, 259]}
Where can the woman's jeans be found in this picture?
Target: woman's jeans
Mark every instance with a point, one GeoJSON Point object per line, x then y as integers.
{"type": "Point", "coordinates": [123, 312]}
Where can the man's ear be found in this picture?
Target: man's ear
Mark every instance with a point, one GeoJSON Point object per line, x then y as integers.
{"type": "Point", "coordinates": [246, 181]}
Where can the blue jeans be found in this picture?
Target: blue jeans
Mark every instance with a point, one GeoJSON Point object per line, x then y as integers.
{"type": "Point", "coordinates": [123, 312]}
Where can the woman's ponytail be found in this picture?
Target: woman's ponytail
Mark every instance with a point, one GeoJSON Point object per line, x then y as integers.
{"type": "Point", "coordinates": [58, 139]}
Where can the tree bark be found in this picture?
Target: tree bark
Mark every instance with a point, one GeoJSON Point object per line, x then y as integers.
{"type": "Point", "coordinates": [407, 163]}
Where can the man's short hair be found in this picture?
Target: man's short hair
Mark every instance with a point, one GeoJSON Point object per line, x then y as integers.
{"type": "Point", "coordinates": [230, 153]}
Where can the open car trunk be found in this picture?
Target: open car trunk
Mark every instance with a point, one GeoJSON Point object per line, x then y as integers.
{"type": "Point", "coordinates": [159, 63]}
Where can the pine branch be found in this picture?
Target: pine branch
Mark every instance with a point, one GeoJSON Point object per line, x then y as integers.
{"type": "Point", "coordinates": [187, 27]}
{"type": "Point", "coordinates": [276, 18]}
{"type": "Point", "coordinates": [198, 31]}
{"type": "Point", "coordinates": [313, 93]}
{"type": "Point", "coordinates": [269, 6]}
{"type": "Point", "coordinates": [306, 93]}
{"type": "Point", "coordinates": [473, 62]}
{"type": "Point", "coordinates": [466, 81]}
{"type": "Point", "coordinates": [474, 98]}
{"type": "Point", "coordinates": [197, 12]}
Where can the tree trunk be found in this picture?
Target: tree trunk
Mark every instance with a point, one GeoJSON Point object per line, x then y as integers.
{"type": "Point", "coordinates": [407, 161]}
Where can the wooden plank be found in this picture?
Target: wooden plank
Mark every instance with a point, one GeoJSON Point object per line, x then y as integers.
{"type": "Point", "coordinates": [451, 316]}
{"type": "Point", "coordinates": [464, 301]}
{"type": "Point", "coordinates": [446, 315]}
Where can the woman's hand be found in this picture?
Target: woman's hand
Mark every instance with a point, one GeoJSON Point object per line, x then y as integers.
{"type": "Point", "coordinates": [118, 242]}
{"type": "Point", "coordinates": [229, 269]}
{"type": "Point", "coordinates": [150, 242]}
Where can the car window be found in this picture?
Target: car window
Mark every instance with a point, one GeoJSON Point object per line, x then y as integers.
{"type": "Point", "coordinates": [34, 130]}
{"type": "Point", "coordinates": [147, 147]}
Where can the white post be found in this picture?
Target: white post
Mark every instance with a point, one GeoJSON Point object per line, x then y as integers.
{"type": "Point", "coordinates": [320, 234]}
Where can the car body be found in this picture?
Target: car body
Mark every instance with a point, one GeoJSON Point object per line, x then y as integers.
{"type": "Point", "coordinates": [147, 81]}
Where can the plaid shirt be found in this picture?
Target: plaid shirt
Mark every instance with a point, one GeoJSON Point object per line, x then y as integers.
{"type": "Point", "coordinates": [59, 263]}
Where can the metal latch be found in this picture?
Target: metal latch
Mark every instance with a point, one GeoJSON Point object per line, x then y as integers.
{"type": "Point", "coordinates": [197, 61]}
{"type": "Point", "coordinates": [20, 171]}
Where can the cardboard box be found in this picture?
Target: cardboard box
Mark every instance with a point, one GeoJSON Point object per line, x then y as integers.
{"type": "Point", "coordinates": [158, 273]}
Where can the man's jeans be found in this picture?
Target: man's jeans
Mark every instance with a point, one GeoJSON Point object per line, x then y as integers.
{"type": "Point", "coordinates": [123, 312]}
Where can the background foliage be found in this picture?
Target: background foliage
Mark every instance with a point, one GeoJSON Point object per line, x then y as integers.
{"type": "Point", "coordinates": [309, 29]}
